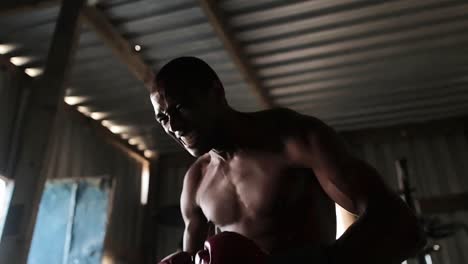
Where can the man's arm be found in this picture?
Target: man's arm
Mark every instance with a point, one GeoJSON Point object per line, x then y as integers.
{"type": "Point", "coordinates": [196, 224]}
{"type": "Point", "coordinates": [386, 230]}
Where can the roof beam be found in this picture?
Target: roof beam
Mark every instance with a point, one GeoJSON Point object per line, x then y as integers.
{"type": "Point", "coordinates": [119, 45]}
{"type": "Point", "coordinates": [108, 136]}
{"type": "Point", "coordinates": [104, 28]}
{"type": "Point", "coordinates": [5, 62]}
{"type": "Point", "coordinates": [14, 8]}
{"type": "Point", "coordinates": [216, 18]}
{"type": "Point", "coordinates": [38, 120]}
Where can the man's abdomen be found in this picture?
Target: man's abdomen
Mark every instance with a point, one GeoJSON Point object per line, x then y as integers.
{"type": "Point", "coordinates": [305, 220]}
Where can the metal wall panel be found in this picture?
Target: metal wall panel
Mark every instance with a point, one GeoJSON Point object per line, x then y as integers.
{"type": "Point", "coordinates": [437, 156]}
{"type": "Point", "coordinates": [76, 151]}
{"type": "Point", "coordinates": [11, 91]}
{"type": "Point", "coordinates": [169, 179]}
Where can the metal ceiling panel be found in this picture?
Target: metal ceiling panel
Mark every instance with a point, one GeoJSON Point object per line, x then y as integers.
{"type": "Point", "coordinates": [108, 89]}
{"type": "Point", "coordinates": [358, 64]}
{"type": "Point", "coordinates": [19, 29]}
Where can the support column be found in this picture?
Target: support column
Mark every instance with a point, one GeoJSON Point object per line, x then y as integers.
{"type": "Point", "coordinates": [28, 171]}
{"type": "Point", "coordinates": [150, 210]}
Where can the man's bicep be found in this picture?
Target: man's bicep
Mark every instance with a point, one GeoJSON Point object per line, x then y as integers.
{"type": "Point", "coordinates": [195, 232]}
{"type": "Point", "coordinates": [194, 219]}
{"type": "Point", "coordinates": [188, 202]}
{"type": "Point", "coordinates": [191, 213]}
{"type": "Point", "coordinates": [348, 180]}
{"type": "Point", "coordinates": [355, 184]}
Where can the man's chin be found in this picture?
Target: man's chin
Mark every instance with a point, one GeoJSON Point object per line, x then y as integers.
{"type": "Point", "coordinates": [196, 152]}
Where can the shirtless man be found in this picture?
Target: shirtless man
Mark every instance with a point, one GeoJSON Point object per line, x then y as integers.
{"type": "Point", "coordinates": [274, 176]}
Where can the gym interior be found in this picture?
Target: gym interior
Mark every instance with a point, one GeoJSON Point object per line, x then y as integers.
{"type": "Point", "coordinates": [88, 176]}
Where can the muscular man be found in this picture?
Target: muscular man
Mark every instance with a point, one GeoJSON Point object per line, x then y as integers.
{"type": "Point", "coordinates": [274, 176]}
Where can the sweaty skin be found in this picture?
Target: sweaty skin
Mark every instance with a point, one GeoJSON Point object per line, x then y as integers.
{"type": "Point", "coordinates": [274, 176]}
{"type": "Point", "coordinates": [258, 192]}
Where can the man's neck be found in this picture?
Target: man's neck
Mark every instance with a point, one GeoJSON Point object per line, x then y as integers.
{"type": "Point", "coordinates": [233, 134]}
{"type": "Point", "coordinates": [222, 155]}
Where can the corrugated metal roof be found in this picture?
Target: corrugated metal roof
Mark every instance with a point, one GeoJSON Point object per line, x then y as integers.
{"type": "Point", "coordinates": [19, 30]}
{"type": "Point", "coordinates": [157, 26]}
{"type": "Point", "coordinates": [358, 64]}
{"type": "Point", "coordinates": [103, 85]}
{"type": "Point", "coordinates": [107, 88]}
{"type": "Point", "coordinates": [355, 64]}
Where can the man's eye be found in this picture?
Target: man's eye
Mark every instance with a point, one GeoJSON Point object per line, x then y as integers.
{"type": "Point", "coordinates": [162, 119]}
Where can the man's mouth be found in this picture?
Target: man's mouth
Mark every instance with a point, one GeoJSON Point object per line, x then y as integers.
{"type": "Point", "coordinates": [189, 139]}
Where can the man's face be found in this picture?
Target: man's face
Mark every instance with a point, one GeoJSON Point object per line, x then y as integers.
{"type": "Point", "coordinates": [187, 116]}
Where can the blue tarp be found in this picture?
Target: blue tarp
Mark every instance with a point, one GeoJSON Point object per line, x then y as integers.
{"type": "Point", "coordinates": [73, 211]}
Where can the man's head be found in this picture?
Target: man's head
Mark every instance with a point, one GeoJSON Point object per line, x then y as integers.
{"type": "Point", "coordinates": [188, 99]}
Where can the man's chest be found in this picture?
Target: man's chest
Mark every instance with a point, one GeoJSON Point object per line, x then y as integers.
{"type": "Point", "coordinates": [250, 186]}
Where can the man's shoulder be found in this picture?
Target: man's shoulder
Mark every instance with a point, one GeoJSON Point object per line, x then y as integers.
{"type": "Point", "coordinates": [195, 172]}
{"type": "Point", "coordinates": [283, 112]}
{"type": "Point", "coordinates": [191, 184]}
{"type": "Point", "coordinates": [275, 112]}
{"type": "Point", "coordinates": [288, 119]}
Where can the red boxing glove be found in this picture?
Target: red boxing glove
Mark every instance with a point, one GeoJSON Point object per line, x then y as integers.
{"type": "Point", "coordinates": [178, 258]}
{"type": "Point", "coordinates": [230, 248]}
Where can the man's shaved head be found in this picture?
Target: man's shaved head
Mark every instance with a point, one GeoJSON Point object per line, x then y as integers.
{"type": "Point", "coordinates": [187, 72]}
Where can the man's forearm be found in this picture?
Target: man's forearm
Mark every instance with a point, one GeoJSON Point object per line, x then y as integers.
{"type": "Point", "coordinates": [194, 237]}
{"type": "Point", "coordinates": [387, 232]}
